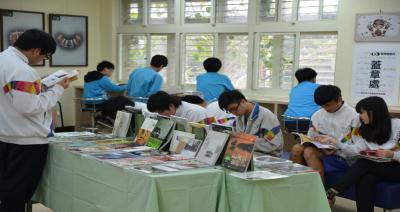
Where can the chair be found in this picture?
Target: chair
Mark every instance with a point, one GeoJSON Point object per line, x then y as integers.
{"type": "Point", "coordinates": [93, 106]}
{"type": "Point", "coordinates": [386, 195]}
{"type": "Point", "coordinates": [296, 124]}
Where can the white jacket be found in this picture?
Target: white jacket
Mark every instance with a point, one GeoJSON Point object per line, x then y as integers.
{"type": "Point", "coordinates": [191, 112]}
{"type": "Point", "coordinates": [25, 117]}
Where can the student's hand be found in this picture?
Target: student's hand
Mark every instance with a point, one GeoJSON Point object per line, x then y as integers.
{"type": "Point", "coordinates": [384, 153]}
{"type": "Point", "coordinates": [326, 139]}
{"type": "Point", "coordinates": [64, 83]}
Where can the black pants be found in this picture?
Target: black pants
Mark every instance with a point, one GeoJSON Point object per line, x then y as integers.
{"type": "Point", "coordinates": [21, 168]}
{"type": "Point", "coordinates": [364, 173]}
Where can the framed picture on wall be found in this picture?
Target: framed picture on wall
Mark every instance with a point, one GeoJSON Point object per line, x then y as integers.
{"type": "Point", "coordinates": [377, 27]}
{"type": "Point", "coordinates": [71, 35]}
{"type": "Point", "coordinates": [14, 22]}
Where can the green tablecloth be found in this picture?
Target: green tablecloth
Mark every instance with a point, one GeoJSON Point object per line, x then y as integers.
{"type": "Point", "coordinates": [74, 183]}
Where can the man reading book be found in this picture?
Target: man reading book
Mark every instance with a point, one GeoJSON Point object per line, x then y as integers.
{"type": "Point", "coordinates": [335, 119]}
{"type": "Point", "coordinates": [251, 118]}
{"type": "Point", "coordinates": [26, 120]}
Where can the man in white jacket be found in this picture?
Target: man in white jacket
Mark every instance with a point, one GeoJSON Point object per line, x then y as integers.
{"type": "Point", "coordinates": [25, 118]}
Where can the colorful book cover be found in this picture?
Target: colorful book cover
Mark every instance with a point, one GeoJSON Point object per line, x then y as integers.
{"type": "Point", "coordinates": [111, 155]}
{"type": "Point", "coordinates": [160, 133]}
{"type": "Point", "coordinates": [239, 151]}
{"type": "Point", "coordinates": [145, 131]}
{"type": "Point", "coordinates": [222, 128]}
{"type": "Point", "coordinates": [179, 141]}
{"type": "Point", "coordinates": [212, 147]}
{"type": "Point", "coordinates": [112, 141]}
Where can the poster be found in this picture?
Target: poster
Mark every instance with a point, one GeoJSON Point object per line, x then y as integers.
{"type": "Point", "coordinates": [376, 68]}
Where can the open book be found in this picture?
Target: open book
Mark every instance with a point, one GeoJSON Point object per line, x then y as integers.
{"type": "Point", "coordinates": [371, 155]}
{"type": "Point", "coordinates": [57, 76]}
{"type": "Point", "coordinates": [306, 140]}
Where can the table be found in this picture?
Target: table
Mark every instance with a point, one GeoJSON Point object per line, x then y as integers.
{"type": "Point", "coordinates": [75, 183]}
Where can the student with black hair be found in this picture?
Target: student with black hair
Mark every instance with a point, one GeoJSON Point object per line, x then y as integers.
{"type": "Point", "coordinates": [97, 83]}
{"type": "Point", "coordinates": [335, 119]}
{"type": "Point", "coordinates": [211, 84]}
{"type": "Point", "coordinates": [26, 117]}
{"type": "Point", "coordinates": [167, 105]}
{"type": "Point", "coordinates": [251, 118]}
{"type": "Point", "coordinates": [301, 99]}
{"type": "Point", "coordinates": [379, 132]}
{"type": "Point", "coordinates": [214, 113]}
{"type": "Point", "coordinates": [146, 81]}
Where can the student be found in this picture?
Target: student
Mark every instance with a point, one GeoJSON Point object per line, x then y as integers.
{"type": "Point", "coordinates": [214, 113]}
{"type": "Point", "coordinates": [377, 132]}
{"type": "Point", "coordinates": [212, 84]}
{"type": "Point", "coordinates": [301, 100]}
{"type": "Point", "coordinates": [97, 83]}
{"type": "Point", "coordinates": [26, 118]}
{"type": "Point", "coordinates": [335, 119]}
{"type": "Point", "coordinates": [167, 105]}
{"type": "Point", "coordinates": [251, 118]}
{"type": "Point", "coordinates": [144, 82]}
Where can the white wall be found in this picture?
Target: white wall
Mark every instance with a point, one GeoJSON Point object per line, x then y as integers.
{"type": "Point", "coordinates": [100, 36]}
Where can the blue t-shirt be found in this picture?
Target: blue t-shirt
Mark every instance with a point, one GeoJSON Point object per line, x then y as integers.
{"type": "Point", "coordinates": [301, 101]}
{"type": "Point", "coordinates": [212, 84]}
{"type": "Point", "coordinates": [99, 88]}
{"type": "Point", "coordinates": [144, 82]}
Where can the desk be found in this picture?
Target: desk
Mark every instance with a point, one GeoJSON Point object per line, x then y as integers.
{"type": "Point", "coordinates": [74, 183]}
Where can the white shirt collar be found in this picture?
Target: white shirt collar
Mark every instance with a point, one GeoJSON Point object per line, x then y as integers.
{"type": "Point", "coordinates": [18, 53]}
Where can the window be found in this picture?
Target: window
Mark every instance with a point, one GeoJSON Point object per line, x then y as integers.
{"type": "Point", "coordinates": [198, 11]}
{"type": "Point", "coordinates": [232, 11]}
{"type": "Point", "coordinates": [137, 51]}
{"type": "Point", "coordinates": [132, 12]}
{"type": "Point", "coordinates": [233, 52]}
{"type": "Point", "coordinates": [318, 51]}
{"type": "Point", "coordinates": [197, 49]}
{"type": "Point", "coordinates": [268, 10]}
{"type": "Point", "coordinates": [275, 65]}
{"type": "Point", "coordinates": [161, 11]}
{"type": "Point", "coordinates": [317, 9]}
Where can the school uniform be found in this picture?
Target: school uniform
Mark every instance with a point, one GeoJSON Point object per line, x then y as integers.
{"type": "Point", "coordinates": [143, 82]}
{"type": "Point", "coordinates": [301, 100]}
{"type": "Point", "coordinates": [26, 122]}
{"type": "Point", "coordinates": [191, 112]}
{"type": "Point", "coordinates": [265, 125]}
{"type": "Point", "coordinates": [97, 85]}
{"type": "Point", "coordinates": [218, 116]}
{"type": "Point", "coordinates": [212, 84]}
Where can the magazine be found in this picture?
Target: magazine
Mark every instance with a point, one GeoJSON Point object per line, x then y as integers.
{"type": "Point", "coordinates": [181, 123]}
{"type": "Point", "coordinates": [154, 169]}
{"type": "Point", "coordinates": [222, 128]}
{"type": "Point", "coordinates": [269, 161]}
{"type": "Point", "coordinates": [212, 147]}
{"type": "Point", "coordinates": [160, 133]}
{"type": "Point", "coordinates": [57, 76]}
{"type": "Point", "coordinates": [74, 134]}
{"type": "Point", "coordinates": [371, 155]}
{"type": "Point", "coordinates": [112, 141]}
{"type": "Point", "coordinates": [111, 155]}
{"type": "Point", "coordinates": [239, 151]}
{"type": "Point", "coordinates": [306, 140]}
{"type": "Point", "coordinates": [198, 130]}
{"type": "Point", "coordinates": [179, 141]}
{"type": "Point", "coordinates": [92, 149]}
{"type": "Point", "coordinates": [121, 124]}
{"type": "Point", "coordinates": [145, 130]}
{"type": "Point", "coordinates": [258, 175]}
{"type": "Point", "coordinates": [287, 168]}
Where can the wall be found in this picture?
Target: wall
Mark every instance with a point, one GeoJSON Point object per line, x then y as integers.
{"type": "Point", "coordinates": [100, 16]}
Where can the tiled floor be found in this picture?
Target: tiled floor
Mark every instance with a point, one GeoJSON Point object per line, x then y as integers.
{"type": "Point", "coordinates": [341, 205]}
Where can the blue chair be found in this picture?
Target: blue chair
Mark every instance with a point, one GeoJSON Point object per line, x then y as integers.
{"type": "Point", "coordinates": [296, 124]}
{"type": "Point", "coordinates": [386, 197]}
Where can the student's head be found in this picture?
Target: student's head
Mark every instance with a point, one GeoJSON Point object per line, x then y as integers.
{"type": "Point", "coordinates": [163, 103]}
{"type": "Point", "coordinates": [158, 62]}
{"type": "Point", "coordinates": [375, 119]}
{"type": "Point", "coordinates": [233, 102]}
{"type": "Point", "coordinates": [36, 45]}
{"type": "Point", "coordinates": [194, 99]}
{"type": "Point", "coordinates": [212, 64]}
{"type": "Point", "coordinates": [306, 74]}
{"type": "Point", "coordinates": [105, 68]}
{"type": "Point", "coordinates": [328, 97]}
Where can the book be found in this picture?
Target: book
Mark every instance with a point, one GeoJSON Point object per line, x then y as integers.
{"type": "Point", "coordinates": [258, 175]}
{"type": "Point", "coordinates": [179, 141]}
{"type": "Point", "coordinates": [239, 151]}
{"type": "Point", "coordinates": [212, 147]}
{"type": "Point", "coordinates": [74, 134]}
{"type": "Point", "coordinates": [160, 133]}
{"type": "Point", "coordinates": [198, 130]}
{"type": "Point", "coordinates": [222, 128]}
{"type": "Point", "coordinates": [145, 131]}
{"type": "Point", "coordinates": [111, 155]}
{"type": "Point", "coordinates": [306, 140]}
{"type": "Point", "coordinates": [57, 76]}
{"type": "Point", "coordinates": [121, 124]}
{"type": "Point", "coordinates": [191, 148]}
{"type": "Point", "coordinates": [181, 123]}
{"type": "Point", "coordinates": [269, 161]}
{"type": "Point", "coordinates": [93, 149]}
{"type": "Point", "coordinates": [138, 118]}
{"type": "Point", "coordinates": [371, 155]}
{"type": "Point", "coordinates": [288, 168]}
{"type": "Point", "coordinates": [109, 142]}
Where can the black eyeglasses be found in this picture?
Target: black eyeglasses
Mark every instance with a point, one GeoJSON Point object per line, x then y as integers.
{"type": "Point", "coordinates": [232, 110]}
